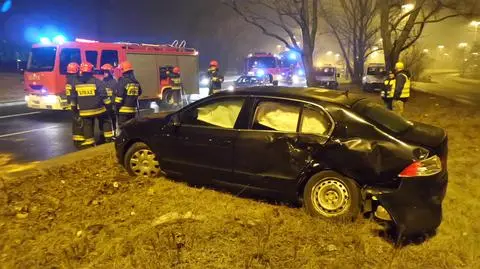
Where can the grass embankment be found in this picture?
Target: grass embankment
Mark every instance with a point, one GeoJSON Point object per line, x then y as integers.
{"type": "Point", "coordinates": [95, 216]}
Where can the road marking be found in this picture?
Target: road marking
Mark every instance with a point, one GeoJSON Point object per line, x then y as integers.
{"type": "Point", "coordinates": [29, 131]}
{"type": "Point", "coordinates": [464, 101]}
{"type": "Point", "coordinates": [19, 115]}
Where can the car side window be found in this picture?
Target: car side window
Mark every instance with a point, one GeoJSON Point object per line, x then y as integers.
{"type": "Point", "coordinates": [315, 121]}
{"type": "Point", "coordinates": [67, 56]}
{"type": "Point", "coordinates": [220, 113]}
{"type": "Point", "coordinates": [276, 116]}
{"type": "Point", "coordinates": [109, 57]}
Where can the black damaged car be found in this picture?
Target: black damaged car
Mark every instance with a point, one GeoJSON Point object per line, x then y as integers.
{"type": "Point", "coordinates": [339, 155]}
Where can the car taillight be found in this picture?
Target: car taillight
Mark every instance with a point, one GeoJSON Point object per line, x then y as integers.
{"type": "Point", "coordinates": [423, 168]}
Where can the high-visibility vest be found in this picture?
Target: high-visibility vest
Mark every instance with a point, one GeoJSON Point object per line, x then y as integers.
{"type": "Point", "coordinates": [389, 88]}
{"type": "Point", "coordinates": [406, 87]}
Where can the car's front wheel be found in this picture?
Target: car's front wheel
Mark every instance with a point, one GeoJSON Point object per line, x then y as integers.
{"type": "Point", "coordinates": [330, 195]}
{"type": "Point", "coordinates": [141, 161]}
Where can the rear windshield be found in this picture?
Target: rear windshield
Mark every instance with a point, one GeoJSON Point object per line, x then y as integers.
{"type": "Point", "coordinates": [382, 117]}
{"type": "Point", "coordinates": [41, 59]}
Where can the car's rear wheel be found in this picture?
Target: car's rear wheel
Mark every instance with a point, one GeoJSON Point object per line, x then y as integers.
{"type": "Point", "coordinates": [330, 195]}
{"type": "Point", "coordinates": [141, 161]}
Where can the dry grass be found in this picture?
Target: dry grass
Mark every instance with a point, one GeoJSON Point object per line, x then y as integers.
{"type": "Point", "coordinates": [95, 216]}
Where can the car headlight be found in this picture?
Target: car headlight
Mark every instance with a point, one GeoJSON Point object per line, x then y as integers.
{"type": "Point", "coordinates": [295, 79]}
{"type": "Point", "coordinates": [364, 79]}
{"type": "Point", "coordinates": [204, 82]}
{"type": "Point", "coordinates": [51, 99]}
{"type": "Point", "coordinates": [260, 73]}
{"type": "Point", "coordinates": [231, 88]}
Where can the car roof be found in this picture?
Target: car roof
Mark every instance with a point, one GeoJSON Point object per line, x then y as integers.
{"type": "Point", "coordinates": [343, 98]}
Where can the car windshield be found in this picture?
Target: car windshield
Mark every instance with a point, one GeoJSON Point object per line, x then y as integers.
{"type": "Point", "coordinates": [262, 62]}
{"type": "Point", "coordinates": [327, 71]}
{"type": "Point", "coordinates": [376, 70]}
{"type": "Point", "coordinates": [381, 117]}
{"type": "Point", "coordinates": [41, 59]}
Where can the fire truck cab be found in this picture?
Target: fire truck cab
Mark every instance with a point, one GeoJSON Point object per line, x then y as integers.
{"type": "Point", "coordinates": [263, 64]}
{"type": "Point", "coordinates": [45, 76]}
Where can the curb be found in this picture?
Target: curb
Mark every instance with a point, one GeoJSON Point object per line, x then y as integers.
{"type": "Point", "coordinates": [32, 168]}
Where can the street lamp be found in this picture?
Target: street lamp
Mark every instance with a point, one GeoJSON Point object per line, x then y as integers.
{"type": "Point", "coordinates": [426, 50]}
{"type": "Point", "coordinates": [475, 25]}
{"type": "Point", "coordinates": [462, 45]}
{"type": "Point", "coordinates": [329, 52]}
{"type": "Point", "coordinates": [441, 47]}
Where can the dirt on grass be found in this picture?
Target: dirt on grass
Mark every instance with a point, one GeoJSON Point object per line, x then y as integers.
{"type": "Point", "coordinates": [93, 215]}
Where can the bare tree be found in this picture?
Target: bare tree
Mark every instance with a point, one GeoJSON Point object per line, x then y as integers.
{"type": "Point", "coordinates": [282, 19]}
{"type": "Point", "coordinates": [352, 23]}
{"type": "Point", "coordinates": [401, 25]}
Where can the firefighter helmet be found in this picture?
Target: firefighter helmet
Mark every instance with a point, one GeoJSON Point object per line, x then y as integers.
{"type": "Point", "coordinates": [107, 67]}
{"type": "Point", "coordinates": [176, 70]}
{"type": "Point", "coordinates": [86, 68]}
{"type": "Point", "coordinates": [126, 66]}
{"type": "Point", "coordinates": [214, 63]}
{"type": "Point", "coordinates": [73, 68]}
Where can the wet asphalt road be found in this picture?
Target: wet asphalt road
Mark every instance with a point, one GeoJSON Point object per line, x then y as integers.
{"type": "Point", "coordinates": [31, 135]}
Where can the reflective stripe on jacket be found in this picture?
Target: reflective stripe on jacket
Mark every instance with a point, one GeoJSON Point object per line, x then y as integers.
{"type": "Point", "coordinates": [90, 97]}
{"type": "Point", "coordinates": [128, 91]}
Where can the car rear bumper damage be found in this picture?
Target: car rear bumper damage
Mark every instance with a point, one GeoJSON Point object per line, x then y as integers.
{"type": "Point", "coordinates": [416, 206]}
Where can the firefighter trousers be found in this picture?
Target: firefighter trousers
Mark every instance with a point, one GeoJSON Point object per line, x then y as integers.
{"type": "Point", "coordinates": [124, 117]}
{"type": "Point", "coordinates": [77, 129]}
{"type": "Point", "coordinates": [105, 125]}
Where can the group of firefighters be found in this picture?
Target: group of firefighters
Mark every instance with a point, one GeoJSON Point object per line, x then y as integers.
{"type": "Point", "coordinates": [109, 102]}
{"type": "Point", "coordinates": [397, 89]}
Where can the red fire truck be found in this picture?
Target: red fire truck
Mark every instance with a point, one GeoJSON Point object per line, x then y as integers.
{"type": "Point", "coordinates": [45, 76]}
{"type": "Point", "coordinates": [262, 64]}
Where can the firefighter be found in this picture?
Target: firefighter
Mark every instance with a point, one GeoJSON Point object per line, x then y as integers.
{"type": "Point", "coordinates": [402, 88]}
{"type": "Point", "coordinates": [77, 123]}
{"type": "Point", "coordinates": [176, 84]}
{"type": "Point", "coordinates": [388, 90]}
{"type": "Point", "coordinates": [128, 91]}
{"type": "Point", "coordinates": [110, 85]}
{"type": "Point", "coordinates": [215, 78]}
{"type": "Point", "coordinates": [90, 96]}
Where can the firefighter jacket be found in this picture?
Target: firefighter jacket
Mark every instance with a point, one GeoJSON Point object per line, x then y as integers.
{"type": "Point", "coordinates": [110, 87]}
{"type": "Point", "coordinates": [90, 97]}
{"type": "Point", "coordinates": [175, 81]}
{"type": "Point", "coordinates": [389, 89]}
{"type": "Point", "coordinates": [402, 85]}
{"type": "Point", "coordinates": [128, 91]}
{"type": "Point", "coordinates": [71, 80]}
{"type": "Point", "coordinates": [215, 78]}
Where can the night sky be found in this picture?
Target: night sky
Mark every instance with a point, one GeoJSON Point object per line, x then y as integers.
{"type": "Point", "coordinates": [207, 25]}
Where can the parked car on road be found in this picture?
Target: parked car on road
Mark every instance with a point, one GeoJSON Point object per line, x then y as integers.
{"type": "Point", "coordinates": [248, 81]}
{"type": "Point", "coordinates": [340, 155]}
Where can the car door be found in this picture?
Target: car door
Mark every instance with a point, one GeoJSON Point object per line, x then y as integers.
{"type": "Point", "coordinates": [203, 140]}
{"type": "Point", "coordinates": [279, 144]}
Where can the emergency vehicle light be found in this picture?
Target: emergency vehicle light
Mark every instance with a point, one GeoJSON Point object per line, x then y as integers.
{"type": "Point", "coordinates": [45, 40]}
{"type": "Point", "coordinates": [59, 39]}
{"type": "Point", "coordinates": [85, 40]}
